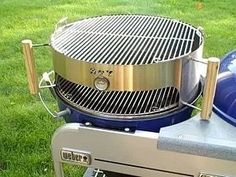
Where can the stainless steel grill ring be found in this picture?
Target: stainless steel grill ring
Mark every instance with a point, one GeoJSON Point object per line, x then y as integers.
{"type": "Point", "coordinates": [109, 63]}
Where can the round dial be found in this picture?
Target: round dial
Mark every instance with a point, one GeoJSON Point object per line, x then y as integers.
{"type": "Point", "coordinates": [101, 83]}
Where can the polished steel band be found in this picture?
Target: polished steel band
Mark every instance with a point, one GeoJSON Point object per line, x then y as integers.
{"type": "Point", "coordinates": [120, 77]}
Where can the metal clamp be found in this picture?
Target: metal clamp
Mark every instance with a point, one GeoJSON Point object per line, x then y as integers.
{"type": "Point", "coordinates": [49, 84]}
{"type": "Point", "coordinates": [33, 79]}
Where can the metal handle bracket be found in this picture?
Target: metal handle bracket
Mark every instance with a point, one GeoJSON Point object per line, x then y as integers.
{"type": "Point", "coordinates": [49, 84]}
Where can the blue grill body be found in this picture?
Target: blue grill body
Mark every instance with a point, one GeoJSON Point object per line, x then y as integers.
{"type": "Point", "coordinates": [148, 124]}
{"type": "Point", "coordinates": [225, 97]}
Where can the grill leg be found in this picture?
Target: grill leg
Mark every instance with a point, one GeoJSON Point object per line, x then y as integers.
{"type": "Point", "coordinates": [55, 149]}
{"type": "Point", "coordinates": [58, 169]}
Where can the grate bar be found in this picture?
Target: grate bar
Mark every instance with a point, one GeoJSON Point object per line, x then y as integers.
{"type": "Point", "coordinates": [121, 42]}
{"type": "Point", "coordinates": [78, 93]}
{"type": "Point", "coordinates": [163, 27]}
{"type": "Point", "coordinates": [149, 53]}
{"type": "Point", "coordinates": [107, 45]}
{"type": "Point", "coordinates": [124, 108]}
{"type": "Point", "coordinates": [126, 43]}
{"type": "Point", "coordinates": [168, 42]}
{"type": "Point", "coordinates": [126, 39]}
{"type": "Point", "coordinates": [133, 42]}
{"type": "Point", "coordinates": [160, 48]}
{"type": "Point", "coordinates": [148, 46]}
{"type": "Point", "coordinates": [100, 43]}
{"type": "Point", "coordinates": [72, 33]}
{"type": "Point", "coordinates": [84, 35]}
{"type": "Point", "coordinates": [96, 96]}
{"type": "Point", "coordinates": [108, 102]}
{"type": "Point", "coordinates": [118, 102]}
{"type": "Point", "coordinates": [145, 46]}
{"type": "Point", "coordinates": [110, 107]}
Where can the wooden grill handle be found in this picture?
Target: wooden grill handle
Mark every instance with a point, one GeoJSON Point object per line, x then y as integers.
{"type": "Point", "coordinates": [210, 87]}
{"type": "Point", "coordinates": [30, 66]}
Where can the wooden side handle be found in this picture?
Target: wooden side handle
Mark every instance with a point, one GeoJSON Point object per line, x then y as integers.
{"type": "Point", "coordinates": [30, 66]}
{"type": "Point", "coordinates": [210, 87]}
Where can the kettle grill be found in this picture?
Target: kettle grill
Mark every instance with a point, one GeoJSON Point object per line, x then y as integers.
{"type": "Point", "coordinates": [126, 86]}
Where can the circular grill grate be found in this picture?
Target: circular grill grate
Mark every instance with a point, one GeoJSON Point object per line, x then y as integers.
{"type": "Point", "coordinates": [126, 39]}
{"type": "Point", "coordinates": [119, 103]}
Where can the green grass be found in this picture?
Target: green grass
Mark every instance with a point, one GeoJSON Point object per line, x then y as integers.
{"type": "Point", "coordinates": [25, 127]}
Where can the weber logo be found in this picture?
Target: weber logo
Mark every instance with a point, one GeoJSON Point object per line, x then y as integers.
{"type": "Point", "coordinates": [75, 156]}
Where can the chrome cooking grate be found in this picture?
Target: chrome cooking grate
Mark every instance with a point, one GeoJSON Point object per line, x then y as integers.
{"type": "Point", "coordinates": [126, 39]}
{"type": "Point", "coordinates": [117, 102]}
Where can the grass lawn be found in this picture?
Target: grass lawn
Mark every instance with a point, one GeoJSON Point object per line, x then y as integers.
{"type": "Point", "coordinates": [25, 127]}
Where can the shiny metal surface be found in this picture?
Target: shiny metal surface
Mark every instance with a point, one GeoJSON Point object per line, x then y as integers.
{"type": "Point", "coordinates": [133, 52]}
{"type": "Point", "coordinates": [126, 39]}
{"type": "Point", "coordinates": [140, 153]}
{"type": "Point", "coordinates": [124, 104]}
{"type": "Point", "coordinates": [121, 77]}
